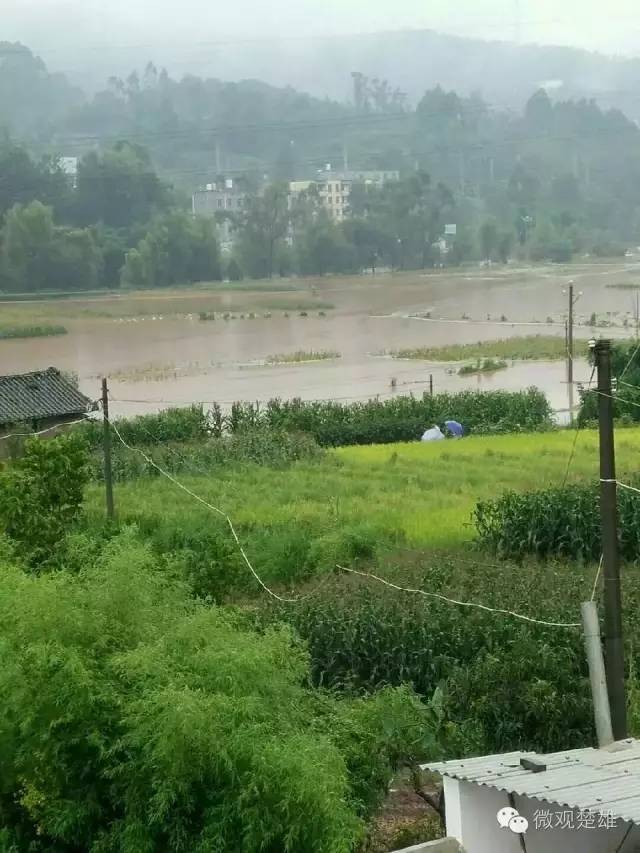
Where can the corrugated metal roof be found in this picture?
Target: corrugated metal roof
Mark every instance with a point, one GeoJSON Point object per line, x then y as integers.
{"type": "Point", "coordinates": [43, 394]}
{"type": "Point", "coordinates": [598, 780]}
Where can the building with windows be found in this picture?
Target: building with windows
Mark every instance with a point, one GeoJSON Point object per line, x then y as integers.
{"type": "Point", "coordinates": [220, 200]}
{"type": "Point", "coordinates": [334, 187]}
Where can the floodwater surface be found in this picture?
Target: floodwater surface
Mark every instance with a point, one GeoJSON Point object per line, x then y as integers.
{"type": "Point", "coordinates": [156, 351]}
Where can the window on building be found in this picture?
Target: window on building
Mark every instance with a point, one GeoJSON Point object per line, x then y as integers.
{"type": "Point", "coordinates": [219, 203]}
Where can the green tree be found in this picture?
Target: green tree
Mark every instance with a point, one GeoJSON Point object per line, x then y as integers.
{"type": "Point", "coordinates": [506, 240]}
{"type": "Point", "coordinates": [37, 255]}
{"type": "Point", "coordinates": [322, 248]}
{"type": "Point", "coordinates": [177, 249]}
{"type": "Point", "coordinates": [261, 229]}
{"type": "Point", "coordinates": [118, 187]}
{"type": "Point", "coordinates": [234, 270]}
{"type": "Point", "coordinates": [489, 239]}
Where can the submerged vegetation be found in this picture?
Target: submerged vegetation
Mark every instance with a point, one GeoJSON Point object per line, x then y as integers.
{"type": "Point", "coordinates": [542, 347]}
{"type": "Point", "coordinates": [303, 356]}
{"type": "Point", "coordinates": [31, 331]}
{"type": "Point", "coordinates": [482, 365]}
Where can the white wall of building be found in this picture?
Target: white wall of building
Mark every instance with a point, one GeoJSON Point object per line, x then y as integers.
{"type": "Point", "coordinates": [471, 818]}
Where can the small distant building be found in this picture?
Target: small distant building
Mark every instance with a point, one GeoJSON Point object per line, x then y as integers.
{"type": "Point", "coordinates": [334, 187]}
{"type": "Point", "coordinates": [578, 801]}
{"type": "Point", "coordinates": [40, 400]}
{"type": "Point", "coordinates": [69, 166]}
{"type": "Point", "coordinates": [216, 200]}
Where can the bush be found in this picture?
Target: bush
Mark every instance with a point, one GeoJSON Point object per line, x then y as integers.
{"type": "Point", "coordinates": [41, 494]}
{"type": "Point", "coordinates": [133, 718]}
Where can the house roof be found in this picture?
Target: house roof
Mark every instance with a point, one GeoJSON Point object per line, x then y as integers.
{"type": "Point", "coordinates": [42, 394]}
{"type": "Point", "coordinates": [597, 780]}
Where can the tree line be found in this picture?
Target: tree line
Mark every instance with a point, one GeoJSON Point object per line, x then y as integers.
{"type": "Point", "coordinates": [564, 175]}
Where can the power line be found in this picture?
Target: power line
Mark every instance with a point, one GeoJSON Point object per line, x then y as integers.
{"type": "Point", "coordinates": [43, 431]}
{"type": "Point", "coordinates": [576, 436]}
{"type": "Point", "coordinates": [280, 598]}
{"type": "Point", "coordinates": [453, 601]}
{"type": "Point", "coordinates": [347, 120]}
{"type": "Point", "coordinates": [219, 512]}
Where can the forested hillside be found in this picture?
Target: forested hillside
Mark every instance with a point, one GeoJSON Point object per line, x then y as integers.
{"type": "Point", "coordinates": [551, 181]}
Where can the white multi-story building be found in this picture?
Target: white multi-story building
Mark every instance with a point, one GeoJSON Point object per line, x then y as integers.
{"type": "Point", "coordinates": [334, 188]}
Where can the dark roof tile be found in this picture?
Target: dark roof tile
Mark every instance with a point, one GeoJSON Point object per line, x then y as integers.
{"type": "Point", "coordinates": [42, 394]}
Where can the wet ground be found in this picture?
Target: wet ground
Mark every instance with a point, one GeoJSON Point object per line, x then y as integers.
{"type": "Point", "coordinates": [157, 352]}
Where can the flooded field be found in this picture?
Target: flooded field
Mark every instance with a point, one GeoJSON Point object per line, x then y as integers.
{"type": "Point", "coordinates": [157, 351]}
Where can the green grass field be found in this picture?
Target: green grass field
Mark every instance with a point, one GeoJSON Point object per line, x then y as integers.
{"type": "Point", "coordinates": [419, 496]}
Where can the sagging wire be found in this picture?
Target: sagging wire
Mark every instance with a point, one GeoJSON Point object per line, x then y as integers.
{"type": "Point", "coordinates": [453, 601]}
{"type": "Point", "coordinates": [219, 512]}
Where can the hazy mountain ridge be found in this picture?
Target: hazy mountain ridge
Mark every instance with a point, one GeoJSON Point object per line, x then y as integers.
{"type": "Point", "coordinates": [505, 73]}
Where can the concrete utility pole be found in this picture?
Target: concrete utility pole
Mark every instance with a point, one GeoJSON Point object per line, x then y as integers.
{"type": "Point", "coordinates": [106, 446]}
{"type": "Point", "coordinates": [614, 648]}
{"type": "Point", "coordinates": [597, 675]}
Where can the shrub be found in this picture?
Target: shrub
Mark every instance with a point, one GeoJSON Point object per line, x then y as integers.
{"type": "Point", "coordinates": [133, 718]}
{"type": "Point", "coordinates": [41, 494]}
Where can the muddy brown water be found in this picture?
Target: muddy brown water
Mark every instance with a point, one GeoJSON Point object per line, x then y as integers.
{"type": "Point", "coordinates": [156, 352]}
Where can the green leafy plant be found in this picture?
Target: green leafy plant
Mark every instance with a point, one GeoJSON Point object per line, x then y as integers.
{"type": "Point", "coordinates": [134, 718]}
{"type": "Point", "coordinates": [41, 494]}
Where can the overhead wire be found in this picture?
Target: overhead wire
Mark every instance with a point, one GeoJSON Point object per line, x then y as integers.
{"type": "Point", "coordinates": [216, 510]}
{"type": "Point", "coordinates": [44, 431]}
{"type": "Point", "coordinates": [278, 597]}
{"type": "Point", "coordinates": [576, 436]}
{"type": "Point", "coordinates": [453, 601]}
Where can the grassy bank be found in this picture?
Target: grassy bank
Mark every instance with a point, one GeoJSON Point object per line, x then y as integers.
{"type": "Point", "coordinates": [541, 347]}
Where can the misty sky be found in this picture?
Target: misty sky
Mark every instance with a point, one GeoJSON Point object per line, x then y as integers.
{"type": "Point", "coordinates": [54, 26]}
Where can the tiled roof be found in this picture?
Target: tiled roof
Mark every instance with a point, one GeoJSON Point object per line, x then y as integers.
{"type": "Point", "coordinates": [597, 780]}
{"type": "Point", "coordinates": [43, 394]}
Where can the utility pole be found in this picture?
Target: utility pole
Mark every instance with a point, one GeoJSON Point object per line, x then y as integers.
{"type": "Point", "coordinates": [614, 649]}
{"type": "Point", "coordinates": [570, 352]}
{"type": "Point", "coordinates": [106, 446]}
{"type": "Point", "coordinates": [597, 675]}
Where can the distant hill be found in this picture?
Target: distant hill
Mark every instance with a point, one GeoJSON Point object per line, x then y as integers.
{"type": "Point", "coordinates": [32, 99]}
{"type": "Point", "coordinates": [504, 73]}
